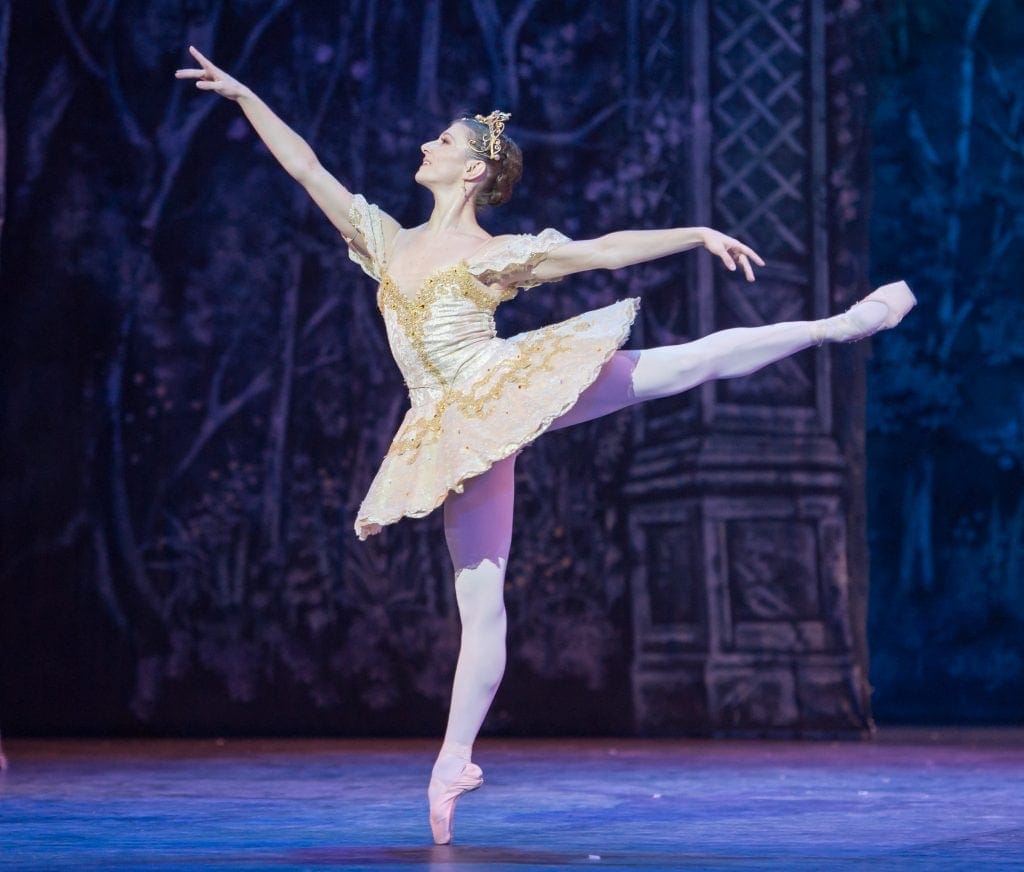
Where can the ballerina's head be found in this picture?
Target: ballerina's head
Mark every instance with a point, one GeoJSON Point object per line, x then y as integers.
{"type": "Point", "coordinates": [476, 155]}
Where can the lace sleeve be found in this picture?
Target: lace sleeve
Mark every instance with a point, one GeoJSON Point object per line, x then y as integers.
{"type": "Point", "coordinates": [511, 262]}
{"type": "Point", "coordinates": [369, 221]}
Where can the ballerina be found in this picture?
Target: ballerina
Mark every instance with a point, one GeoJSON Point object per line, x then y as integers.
{"type": "Point", "coordinates": [476, 399]}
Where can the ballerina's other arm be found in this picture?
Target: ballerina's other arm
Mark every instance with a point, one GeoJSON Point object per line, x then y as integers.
{"type": "Point", "coordinates": [290, 149]}
{"type": "Point", "coordinates": [627, 247]}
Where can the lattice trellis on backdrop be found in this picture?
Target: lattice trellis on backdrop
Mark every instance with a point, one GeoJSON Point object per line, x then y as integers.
{"type": "Point", "coordinates": [765, 642]}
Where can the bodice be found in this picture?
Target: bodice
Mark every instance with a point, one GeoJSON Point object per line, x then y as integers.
{"type": "Point", "coordinates": [444, 332]}
{"type": "Point", "coordinates": [443, 336]}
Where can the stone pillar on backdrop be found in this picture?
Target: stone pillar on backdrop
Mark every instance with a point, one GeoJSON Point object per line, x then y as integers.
{"type": "Point", "coordinates": [746, 495]}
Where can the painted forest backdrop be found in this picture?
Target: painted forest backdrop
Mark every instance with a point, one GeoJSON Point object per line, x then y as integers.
{"type": "Point", "coordinates": [946, 394]}
{"type": "Point", "coordinates": [190, 361]}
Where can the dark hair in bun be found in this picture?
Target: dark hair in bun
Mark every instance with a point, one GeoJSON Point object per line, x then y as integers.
{"type": "Point", "coordinates": [502, 172]}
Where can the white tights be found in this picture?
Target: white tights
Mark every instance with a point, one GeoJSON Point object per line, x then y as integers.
{"type": "Point", "coordinates": [478, 522]}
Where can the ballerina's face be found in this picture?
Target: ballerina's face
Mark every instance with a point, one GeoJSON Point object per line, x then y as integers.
{"type": "Point", "coordinates": [446, 159]}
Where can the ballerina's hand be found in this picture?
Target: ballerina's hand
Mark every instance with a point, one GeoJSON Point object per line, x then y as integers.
{"type": "Point", "coordinates": [212, 78]}
{"type": "Point", "coordinates": [732, 250]}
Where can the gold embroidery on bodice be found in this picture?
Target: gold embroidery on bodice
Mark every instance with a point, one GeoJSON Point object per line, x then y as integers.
{"type": "Point", "coordinates": [459, 312]}
{"type": "Point", "coordinates": [445, 343]}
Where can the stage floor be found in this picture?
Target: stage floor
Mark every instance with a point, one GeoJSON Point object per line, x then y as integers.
{"type": "Point", "coordinates": [912, 799]}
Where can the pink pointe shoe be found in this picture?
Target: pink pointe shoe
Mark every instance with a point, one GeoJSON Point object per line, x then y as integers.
{"type": "Point", "coordinates": [442, 800]}
{"type": "Point", "coordinates": [867, 317]}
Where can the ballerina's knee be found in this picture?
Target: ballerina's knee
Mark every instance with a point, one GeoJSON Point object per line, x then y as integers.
{"type": "Point", "coordinates": [671, 369]}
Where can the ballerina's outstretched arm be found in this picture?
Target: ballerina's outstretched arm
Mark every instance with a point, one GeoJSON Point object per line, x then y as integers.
{"type": "Point", "coordinates": [627, 247]}
{"type": "Point", "coordinates": [291, 150]}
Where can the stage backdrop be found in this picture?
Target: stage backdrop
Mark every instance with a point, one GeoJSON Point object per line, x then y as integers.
{"type": "Point", "coordinates": [198, 390]}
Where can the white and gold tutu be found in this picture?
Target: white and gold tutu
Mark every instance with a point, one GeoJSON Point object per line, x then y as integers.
{"type": "Point", "coordinates": [475, 397]}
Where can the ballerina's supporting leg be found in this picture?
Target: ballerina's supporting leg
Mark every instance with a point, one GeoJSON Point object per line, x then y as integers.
{"type": "Point", "coordinates": [478, 529]}
{"type": "Point", "coordinates": [632, 377]}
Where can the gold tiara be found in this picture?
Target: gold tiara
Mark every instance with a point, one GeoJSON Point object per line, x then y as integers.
{"type": "Point", "coordinates": [491, 146]}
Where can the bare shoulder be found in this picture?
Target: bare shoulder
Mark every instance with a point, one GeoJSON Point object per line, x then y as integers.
{"type": "Point", "coordinates": [495, 242]}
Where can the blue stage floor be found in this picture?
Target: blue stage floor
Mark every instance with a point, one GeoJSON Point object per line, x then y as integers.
{"type": "Point", "coordinates": [910, 800]}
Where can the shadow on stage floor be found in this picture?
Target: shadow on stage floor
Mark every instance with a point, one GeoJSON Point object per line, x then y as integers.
{"type": "Point", "coordinates": [911, 799]}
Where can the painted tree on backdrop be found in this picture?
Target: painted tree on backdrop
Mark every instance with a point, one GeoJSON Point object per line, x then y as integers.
{"type": "Point", "coordinates": [189, 440]}
{"type": "Point", "coordinates": [948, 511]}
{"type": "Point", "coordinates": [221, 325]}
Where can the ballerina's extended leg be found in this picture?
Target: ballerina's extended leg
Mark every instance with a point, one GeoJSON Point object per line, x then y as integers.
{"type": "Point", "coordinates": [633, 376]}
{"type": "Point", "coordinates": [478, 529]}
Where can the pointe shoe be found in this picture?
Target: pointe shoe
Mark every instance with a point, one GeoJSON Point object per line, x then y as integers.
{"type": "Point", "coordinates": [899, 299]}
{"type": "Point", "coordinates": [860, 321]}
{"type": "Point", "coordinates": [442, 799]}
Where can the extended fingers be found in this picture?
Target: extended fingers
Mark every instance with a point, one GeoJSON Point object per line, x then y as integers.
{"type": "Point", "coordinates": [744, 254]}
{"type": "Point", "coordinates": [753, 255]}
{"type": "Point", "coordinates": [735, 247]}
{"type": "Point", "coordinates": [204, 81]}
{"type": "Point", "coordinates": [718, 248]}
{"type": "Point", "coordinates": [733, 252]}
{"type": "Point", "coordinates": [209, 77]}
{"type": "Point", "coordinates": [198, 55]}
{"type": "Point", "coordinates": [727, 258]}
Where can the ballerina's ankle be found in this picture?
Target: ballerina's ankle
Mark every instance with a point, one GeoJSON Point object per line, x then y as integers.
{"type": "Point", "coordinates": [450, 760]}
{"type": "Point", "coordinates": [858, 322]}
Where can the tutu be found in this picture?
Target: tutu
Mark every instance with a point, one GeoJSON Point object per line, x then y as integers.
{"type": "Point", "coordinates": [475, 398]}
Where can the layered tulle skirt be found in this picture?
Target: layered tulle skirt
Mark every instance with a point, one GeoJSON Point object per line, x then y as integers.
{"type": "Point", "coordinates": [508, 392]}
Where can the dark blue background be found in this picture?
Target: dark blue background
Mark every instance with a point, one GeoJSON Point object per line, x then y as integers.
{"type": "Point", "coordinates": [946, 395]}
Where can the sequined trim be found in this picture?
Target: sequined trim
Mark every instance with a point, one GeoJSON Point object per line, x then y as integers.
{"type": "Point", "coordinates": [515, 259]}
{"type": "Point", "coordinates": [432, 290]}
{"type": "Point", "coordinates": [365, 219]}
{"type": "Point", "coordinates": [412, 313]}
{"type": "Point", "coordinates": [507, 375]}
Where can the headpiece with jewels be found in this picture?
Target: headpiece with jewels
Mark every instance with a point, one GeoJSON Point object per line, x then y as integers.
{"type": "Point", "coordinates": [492, 144]}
